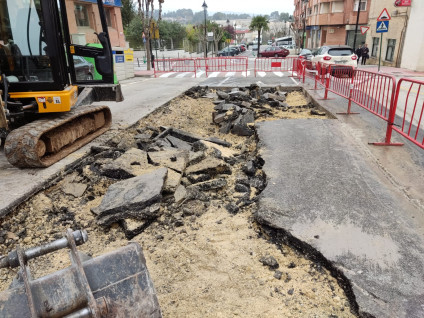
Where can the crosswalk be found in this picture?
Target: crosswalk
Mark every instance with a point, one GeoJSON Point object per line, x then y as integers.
{"type": "Point", "coordinates": [203, 74]}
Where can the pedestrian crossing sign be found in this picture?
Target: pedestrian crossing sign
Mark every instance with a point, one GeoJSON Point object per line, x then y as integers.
{"type": "Point", "coordinates": [382, 26]}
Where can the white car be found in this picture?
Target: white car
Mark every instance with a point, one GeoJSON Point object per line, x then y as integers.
{"type": "Point", "coordinates": [336, 54]}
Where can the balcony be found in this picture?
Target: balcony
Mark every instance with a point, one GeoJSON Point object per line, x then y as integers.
{"type": "Point", "coordinates": [329, 19]}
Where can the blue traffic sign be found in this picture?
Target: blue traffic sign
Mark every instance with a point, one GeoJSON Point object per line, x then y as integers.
{"type": "Point", "coordinates": [382, 26]}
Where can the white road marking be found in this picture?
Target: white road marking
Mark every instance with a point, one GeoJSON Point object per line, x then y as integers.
{"type": "Point", "coordinates": [261, 74]}
{"type": "Point", "coordinates": [280, 74]}
{"type": "Point", "coordinates": [167, 74]}
{"type": "Point", "coordinates": [223, 81]}
{"type": "Point", "coordinates": [199, 73]}
{"type": "Point", "coordinates": [230, 74]}
{"type": "Point", "coordinates": [297, 83]}
{"type": "Point", "coordinates": [181, 75]}
{"type": "Point", "coordinates": [214, 74]}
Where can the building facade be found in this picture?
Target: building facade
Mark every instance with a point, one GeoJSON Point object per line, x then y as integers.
{"type": "Point", "coordinates": [330, 22]}
{"type": "Point", "coordinates": [412, 51]}
{"type": "Point", "coordinates": [392, 42]}
{"type": "Point", "coordinates": [84, 21]}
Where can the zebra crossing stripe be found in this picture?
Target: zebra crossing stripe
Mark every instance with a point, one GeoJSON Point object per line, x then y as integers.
{"type": "Point", "coordinates": [229, 74]}
{"type": "Point", "coordinates": [279, 74]}
{"type": "Point", "coordinates": [214, 74]}
{"type": "Point", "coordinates": [261, 74]}
{"type": "Point", "coordinates": [168, 74]}
{"type": "Point", "coordinates": [181, 75]}
{"type": "Point", "coordinates": [244, 74]}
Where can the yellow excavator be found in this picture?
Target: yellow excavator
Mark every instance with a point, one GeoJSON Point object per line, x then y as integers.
{"type": "Point", "coordinates": [47, 85]}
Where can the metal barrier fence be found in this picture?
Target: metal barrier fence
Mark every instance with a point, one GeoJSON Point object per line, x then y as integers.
{"type": "Point", "coordinates": [374, 91]}
{"type": "Point", "coordinates": [276, 64]}
{"type": "Point", "coordinates": [222, 64]}
{"type": "Point", "coordinates": [175, 65]}
{"type": "Point", "coordinates": [406, 115]}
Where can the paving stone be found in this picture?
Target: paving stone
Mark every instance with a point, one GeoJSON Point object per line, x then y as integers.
{"type": "Point", "coordinates": [178, 143]}
{"type": "Point", "coordinates": [74, 189]}
{"type": "Point", "coordinates": [211, 166]}
{"type": "Point", "coordinates": [225, 152]}
{"type": "Point", "coordinates": [180, 193]}
{"type": "Point", "coordinates": [172, 158]}
{"type": "Point", "coordinates": [132, 198]}
{"type": "Point", "coordinates": [132, 163]}
{"type": "Point", "coordinates": [172, 181]}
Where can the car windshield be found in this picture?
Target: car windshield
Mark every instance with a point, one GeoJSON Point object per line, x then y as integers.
{"type": "Point", "coordinates": [305, 52]}
{"type": "Point", "coordinates": [340, 52]}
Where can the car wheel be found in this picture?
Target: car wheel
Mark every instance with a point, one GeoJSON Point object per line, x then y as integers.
{"type": "Point", "coordinates": [259, 55]}
{"type": "Point", "coordinates": [89, 77]}
{"type": "Point", "coordinates": [276, 55]}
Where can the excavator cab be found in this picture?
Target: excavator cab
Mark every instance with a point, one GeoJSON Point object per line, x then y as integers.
{"type": "Point", "coordinates": [45, 71]}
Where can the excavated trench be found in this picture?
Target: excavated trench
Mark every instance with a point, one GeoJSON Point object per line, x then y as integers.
{"type": "Point", "coordinates": [202, 243]}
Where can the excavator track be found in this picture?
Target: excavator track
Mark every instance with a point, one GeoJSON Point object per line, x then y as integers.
{"type": "Point", "coordinates": [43, 142]}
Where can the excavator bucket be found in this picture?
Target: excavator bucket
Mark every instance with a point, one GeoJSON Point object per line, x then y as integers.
{"type": "Point", "coordinates": [116, 284]}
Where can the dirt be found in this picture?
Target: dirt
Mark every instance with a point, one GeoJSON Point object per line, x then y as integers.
{"type": "Point", "coordinates": [207, 266]}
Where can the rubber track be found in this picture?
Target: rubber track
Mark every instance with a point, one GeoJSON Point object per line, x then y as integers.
{"type": "Point", "coordinates": [20, 143]}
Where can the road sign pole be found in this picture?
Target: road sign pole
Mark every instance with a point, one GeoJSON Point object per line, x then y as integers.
{"type": "Point", "coordinates": [381, 44]}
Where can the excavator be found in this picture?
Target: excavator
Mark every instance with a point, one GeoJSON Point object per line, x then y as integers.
{"type": "Point", "coordinates": [46, 94]}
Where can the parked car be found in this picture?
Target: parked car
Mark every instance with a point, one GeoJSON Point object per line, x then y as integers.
{"type": "Point", "coordinates": [83, 70]}
{"type": "Point", "coordinates": [228, 51]}
{"type": "Point", "coordinates": [242, 47]}
{"type": "Point", "coordinates": [236, 48]}
{"type": "Point", "coordinates": [274, 51]}
{"type": "Point", "coordinates": [254, 47]}
{"type": "Point", "coordinates": [336, 54]}
{"type": "Point", "coordinates": [306, 54]}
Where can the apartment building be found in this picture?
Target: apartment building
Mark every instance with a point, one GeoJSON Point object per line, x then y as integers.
{"type": "Point", "coordinates": [84, 20]}
{"type": "Point", "coordinates": [330, 22]}
{"type": "Point", "coordinates": [394, 40]}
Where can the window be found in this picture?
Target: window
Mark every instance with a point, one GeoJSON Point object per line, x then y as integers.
{"type": "Point", "coordinates": [316, 9]}
{"type": "Point", "coordinates": [81, 15]}
{"type": "Point", "coordinates": [324, 8]}
{"type": "Point", "coordinates": [390, 53]}
{"type": "Point", "coordinates": [363, 5]}
{"type": "Point", "coordinates": [375, 44]}
{"type": "Point", "coordinates": [337, 6]}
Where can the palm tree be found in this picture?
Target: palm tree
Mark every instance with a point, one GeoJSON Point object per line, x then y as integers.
{"type": "Point", "coordinates": [259, 23]}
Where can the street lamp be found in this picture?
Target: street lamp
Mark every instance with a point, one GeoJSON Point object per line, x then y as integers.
{"type": "Point", "coordinates": [235, 31]}
{"type": "Point", "coordinates": [228, 29]}
{"type": "Point", "coordinates": [205, 7]}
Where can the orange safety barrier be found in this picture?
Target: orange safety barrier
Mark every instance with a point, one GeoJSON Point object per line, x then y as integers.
{"type": "Point", "coordinates": [222, 64]}
{"type": "Point", "coordinates": [175, 65]}
{"type": "Point", "coordinates": [275, 64]}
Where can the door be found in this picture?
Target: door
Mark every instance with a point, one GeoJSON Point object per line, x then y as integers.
{"type": "Point", "coordinates": [89, 51]}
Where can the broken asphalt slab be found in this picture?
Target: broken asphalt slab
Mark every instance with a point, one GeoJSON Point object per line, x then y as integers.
{"type": "Point", "coordinates": [325, 196]}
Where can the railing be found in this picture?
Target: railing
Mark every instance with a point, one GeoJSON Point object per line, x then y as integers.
{"type": "Point", "coordinates": [175, 65]}
{"type": "Point", "coordinates": [275, 64]}
{"type": "Point", "coordinates": [222, 64]}
{"type": "Point", "coordinates": [406, 115]}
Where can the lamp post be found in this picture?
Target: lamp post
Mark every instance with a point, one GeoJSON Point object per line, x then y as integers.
{"type": "Point", "coordinates": [235, 31]}
{"type": "Point", "coordinates": [205, 7]}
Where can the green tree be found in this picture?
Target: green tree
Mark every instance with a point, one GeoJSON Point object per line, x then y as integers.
{"type": "Point", "coordinates": [134, 32]}
{"type": "Point", "coordinates": [259, 23]}
{"type": "Point", "coordinates": [128, 12]}
{"type": "Point", "coordinates": [172, 32]}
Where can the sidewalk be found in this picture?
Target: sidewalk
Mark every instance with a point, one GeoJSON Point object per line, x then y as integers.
{"type": "Point", "coordinates": [395, 71]}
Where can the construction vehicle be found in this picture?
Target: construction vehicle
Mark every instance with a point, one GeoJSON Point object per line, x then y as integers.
{"type": "Point", "coordinates": [113, 285]}
{"type": "Point", "coordinates": [44, 112]}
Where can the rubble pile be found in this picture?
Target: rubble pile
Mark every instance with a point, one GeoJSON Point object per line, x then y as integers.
{"type": "Point", "coordinates": [166, 168]}
{"type": "Point", "coordinates": [237, 110]}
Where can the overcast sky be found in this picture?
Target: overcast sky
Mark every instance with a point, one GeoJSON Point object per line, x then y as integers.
{"type": "Point", "coordinates": [259, 7]}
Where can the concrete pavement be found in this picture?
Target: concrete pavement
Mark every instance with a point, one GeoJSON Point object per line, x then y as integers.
{"type": "Point", "coordinates": [325, 194]}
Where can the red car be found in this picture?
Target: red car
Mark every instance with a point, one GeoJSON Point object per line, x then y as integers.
{"type": "Point", "coordinates": [274, 51]}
